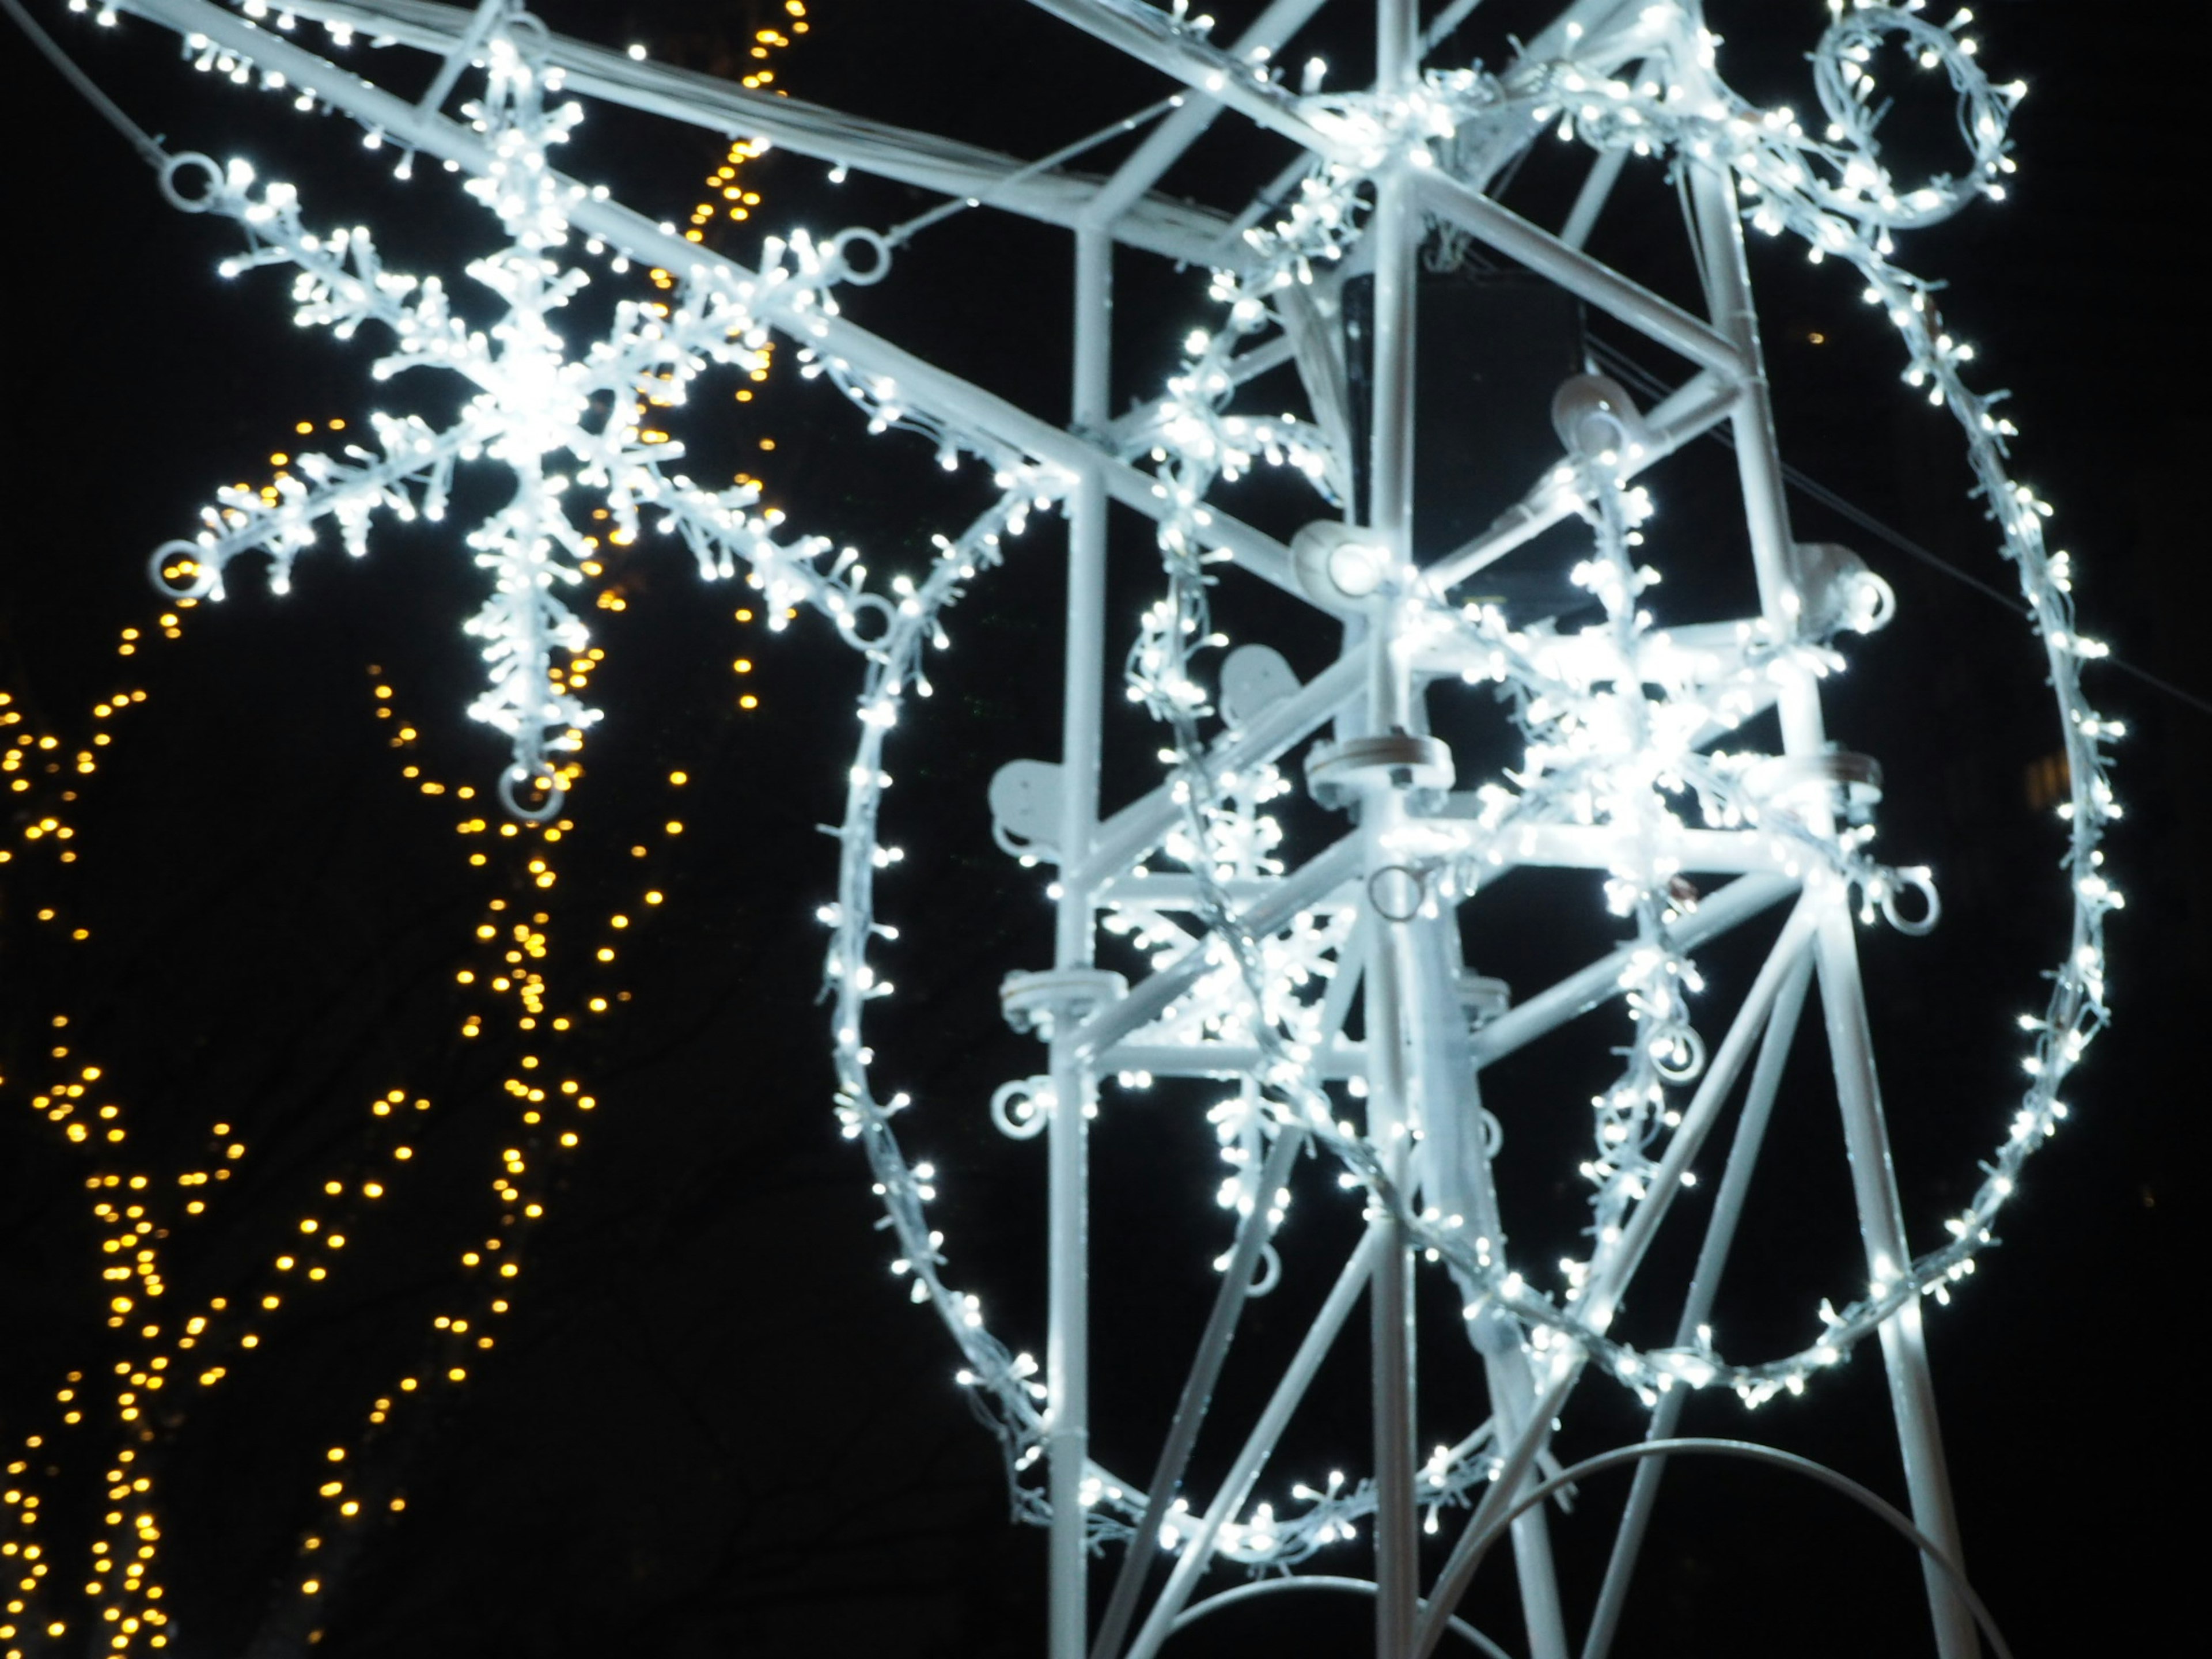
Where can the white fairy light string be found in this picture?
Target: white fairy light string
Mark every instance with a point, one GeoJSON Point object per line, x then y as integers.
{"type": "Point", "coordinates": [1831, 192]}
{"type": "Point", "coordinates": [1780, 168]}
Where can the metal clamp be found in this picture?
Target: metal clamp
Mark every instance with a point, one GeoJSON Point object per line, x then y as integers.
{"type": "Point", "coordinates": [1037, 1001]}
{"type": "Point", "coordinates": [1849, 783]}
{"type": "Point", "coordinates": [1338, 773]}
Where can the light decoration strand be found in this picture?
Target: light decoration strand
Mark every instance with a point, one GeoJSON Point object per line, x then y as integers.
{"type": "Point", "coordinates": [1834, 195]}
{"type": "Point", "coordinates": [201, 1348]}
{"type": "Point", "coordinates": [223, 1329]}
{"type": "Point", "coordinates": [133, 1214]}
{"type": "Point", "coordinates": [533, 403]}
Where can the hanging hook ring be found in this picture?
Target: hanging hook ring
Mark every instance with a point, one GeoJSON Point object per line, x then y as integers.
{"type": "Point", "coordinates": [192, 160]}
{"type": "Point", "coordinates": [546, 809]}
{"type": "Point", "coordinates": [1403, 873]}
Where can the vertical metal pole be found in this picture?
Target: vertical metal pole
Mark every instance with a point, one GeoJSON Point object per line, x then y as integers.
{"type": "Point", "coordinates": [1758, 453]}
{"type": "Point", "coordinates": [1456, 1178]}
{"type": "Point", "coordinates": [1394, 1001]}
{"type": "Point", "coordinates": [1067, 1348]}
{"type": "Point", "coordinates": [1880, 1220]}
{"type": "Point", "coordinates": [1881, 1226]}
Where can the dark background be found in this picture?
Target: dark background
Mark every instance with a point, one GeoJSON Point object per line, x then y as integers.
{"type": "Point", "coordinates": [712, 1425]}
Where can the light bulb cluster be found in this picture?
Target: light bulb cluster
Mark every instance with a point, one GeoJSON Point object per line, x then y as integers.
{"type": "Point", "coordinates": [133, 1212]}
{"type": "Point", "coordinates": [533, 403]}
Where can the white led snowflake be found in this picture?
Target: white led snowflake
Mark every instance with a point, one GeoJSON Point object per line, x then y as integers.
{"type": "Point", "coordinates": [563, 425]}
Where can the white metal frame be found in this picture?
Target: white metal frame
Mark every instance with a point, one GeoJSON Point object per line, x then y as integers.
{"type": "Point", "coordinates": [1419, 1062]}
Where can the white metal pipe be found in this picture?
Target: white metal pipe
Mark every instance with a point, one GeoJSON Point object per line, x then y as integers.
{"type": "Point", "coordinates": [1137, 828]}
{"type": "Point", "coordinates": [1698, 1307]}
{"type": "Point", "coordinates": [1396, 1007]}
{"type": "Point", "coordinates": [1457, 1179]}
{"type": "Point", "coordinates": [1229, 1300]}
{"type": "Point", "coordinates": [1445, 22]}
{"type": "Point", "coordinates": [924, 387]}
{"type": "Point", "coordinates": [1757, 452]}
{"type": "Point", "coordinates": [1177, 230]}
{"type": "Point", "coordinates": [1591, 847]}
{"type": "Point", "coordinates": [473, 35]}
{"type": "Point", "coordinates": [1612, 1269]}
{"type": "Point", "coordinates": [1610, 292]}
{"type": "Point", "coordinates": [1337, 1062]}
{"type": "Point", "coordinates": [1321, 1581]}
{"type": "Point", "coordinates": [1150, 36]}
{"type": "Point", "coordinates": [1536, 1575]}
{"type": "Point", "coordinates": [1590, 200]}
{"type": "Point", "coordinates": [1700, 403]}
{"type": "Point", "coordinates": [1850, 1048]}
{"type": "Point", "coordinates": [1067, 1437]}
{"type": "Point", "coordinates": [1451, 1581]}
{"type": "Point", "coordinates": [1881, 1227]}
{"type": "Point", "coordinates": [1167, 143]}
{"type": "Point", "coordinates": [1312, 882]}
{"type": "Point", "coordinates": [1196, 1552]}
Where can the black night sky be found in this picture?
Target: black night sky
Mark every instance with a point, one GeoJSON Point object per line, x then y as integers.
{"type": "Point", "coordinates": [711, 1424]}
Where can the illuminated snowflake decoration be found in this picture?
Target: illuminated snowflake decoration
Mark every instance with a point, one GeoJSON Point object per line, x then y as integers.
{"type": "Point", "coordinates": [566, 426]}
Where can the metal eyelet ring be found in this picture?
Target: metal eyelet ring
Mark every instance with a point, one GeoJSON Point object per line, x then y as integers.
{"type": "Point", "coordinates": [880, 261]}
{"type": "Point", "coordinates": [532, 41]}
{"type": "Point", "coordinates": [1692, 1047]}
{"type": "Point", "coordinates": [873, 606]}
{"type": "Point", "coordinates": [1020, 1109]}
{"type": "Point", "coordinates": [202, 582]}
{"type": "Point", "coordinates": [1420, 892]}
{"type": "Point", "coordinates": [1920, 883]}
{"type": "Point", "coordinates": [1270, 1272]}
{"type": "Point", "coordinates": [547, 808]}
{"type": "Point", "coordinates": [197, 162]}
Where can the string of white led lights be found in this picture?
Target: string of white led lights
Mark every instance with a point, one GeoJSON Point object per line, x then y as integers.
{"type": "Point", "coordinates": [1833, 194]}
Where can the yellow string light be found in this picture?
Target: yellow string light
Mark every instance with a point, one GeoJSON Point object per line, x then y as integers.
{"type": "Point", "coordinates": [134, 1211]}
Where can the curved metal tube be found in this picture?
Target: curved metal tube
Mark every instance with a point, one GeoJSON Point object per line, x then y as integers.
{"type": "Point", "coordinates": [1319, 1581]}
{"type": "Point", "coordinates": [1755, 1453]}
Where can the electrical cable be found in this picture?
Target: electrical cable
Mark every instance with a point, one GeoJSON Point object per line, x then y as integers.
{"type": "Point", "coordinates": [149, 146]}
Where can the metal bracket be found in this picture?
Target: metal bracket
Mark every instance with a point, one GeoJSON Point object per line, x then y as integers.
{"type": "Point", "coordinates": [1338, 774]}
{"type": "Point", "coordinates": [1254, 679]}
{"type": "Point", "coordinates": [1026, 797]}
{"type": "Point", "coordinates": [1836, 591]}
{"type": "Point", "coordinates": [1038, 1001]}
